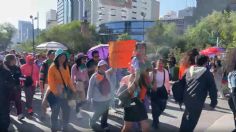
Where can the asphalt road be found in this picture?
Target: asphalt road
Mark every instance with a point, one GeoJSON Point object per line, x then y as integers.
{"type": "Point", "coordinates": [170, 119]}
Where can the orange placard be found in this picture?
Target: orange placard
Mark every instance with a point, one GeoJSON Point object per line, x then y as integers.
{"type": "Point", "coordinates": [120, 53]}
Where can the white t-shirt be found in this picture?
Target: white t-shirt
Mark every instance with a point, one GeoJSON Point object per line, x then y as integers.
{"type": "Point", "coordinates": [159, 78]}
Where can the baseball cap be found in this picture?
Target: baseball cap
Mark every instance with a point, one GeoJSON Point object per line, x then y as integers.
{"type": "Point", "coordinates": [102, 62]}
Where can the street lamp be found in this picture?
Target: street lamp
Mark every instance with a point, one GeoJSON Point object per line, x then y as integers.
{"type": "Point", "coordinates": [33, 18]}
{"type": "Point", "coordinates": [143, 15]}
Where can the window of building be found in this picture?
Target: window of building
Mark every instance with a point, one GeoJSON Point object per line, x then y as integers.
{"type": "Point", "coordinates": [134, 6]}
{"type": "Point", "coordinates": [123, 16]}
{"type": "Point", "coordinates": [113, 15]}
{"type": "Point", "coordinates": [134, 0]}
{"type": "Point", "coordinates": [134, 18]}
{"type": "Point", "coordinates": [134, 12]}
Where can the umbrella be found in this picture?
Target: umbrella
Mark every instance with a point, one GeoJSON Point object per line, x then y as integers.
{"type": "Point", "coordinates": [212, 51]}
{"type": "Point", "coordinates": [101, 48]}
{"type": "Point", "coordinates": [51, 46]}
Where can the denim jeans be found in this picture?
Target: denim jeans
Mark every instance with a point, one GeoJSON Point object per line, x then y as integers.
{"type": "Point", "coordinates": [29, 95]}
{"type": "Point", "coordinates": [101, 109]}
{"type": "Point", "coordinates": [63, 105]}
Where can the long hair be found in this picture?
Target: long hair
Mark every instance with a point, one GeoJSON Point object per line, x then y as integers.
{"type": "Point", "coordinates": [56, 62]}
{"type": "Point", "coordinates": [189, 58]}
{"type": "Point", "coordinates": [78, 62]}
{"type": "Point", "coordinates": [230, 61]}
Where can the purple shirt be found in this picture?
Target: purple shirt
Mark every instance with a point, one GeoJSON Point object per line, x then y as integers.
{"type": "Point", "coordinates": [78, 74]}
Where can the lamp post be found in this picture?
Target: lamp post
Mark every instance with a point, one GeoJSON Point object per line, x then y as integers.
{"type": "Point", "coordinates": [143, 15]}
{"type": "Point", "coordinates": [33, 18]}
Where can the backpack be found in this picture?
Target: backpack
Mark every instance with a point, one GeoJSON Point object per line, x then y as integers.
{"type": "Point", "coordinates": [178, 90]}
{"type": "Point", "coordinates": [45, 72]}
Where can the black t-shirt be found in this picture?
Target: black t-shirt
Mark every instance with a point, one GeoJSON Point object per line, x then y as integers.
{"type": "Point", "coordinates": [91, 65]}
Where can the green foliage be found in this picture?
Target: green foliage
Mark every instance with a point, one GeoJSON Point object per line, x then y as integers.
{"type": "Point", "coordinates": [203, 34]}
{"type": "Point", "coordinates": [24, 47]}
{"type": "Point", "coordinates": [124, 36]}
{"type": "Point", "coordinates": [70, 35]}
{"type": "Point", "coordinates": [7, 31]}
{"type": "Point", "coordinates": [163, 34]}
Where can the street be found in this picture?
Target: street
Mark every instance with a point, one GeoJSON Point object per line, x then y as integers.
{"type": "Point", "coordinates": [218, 120]}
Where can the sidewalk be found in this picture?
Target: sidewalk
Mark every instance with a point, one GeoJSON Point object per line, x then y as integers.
{"type": "Point", "coordinates": [223, 124]}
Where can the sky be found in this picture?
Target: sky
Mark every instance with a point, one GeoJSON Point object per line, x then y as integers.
{"type": "Point", "coordinates": [14, 10]}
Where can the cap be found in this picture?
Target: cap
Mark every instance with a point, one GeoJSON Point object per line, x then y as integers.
{"type": "Point", "coordinates": [81, 55]}
{"type": "Point", "coordinates": [102, 62]}
{"type": "Point", "coordinates": [50, 52]}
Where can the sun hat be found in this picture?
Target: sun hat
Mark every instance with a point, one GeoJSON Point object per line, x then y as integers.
{"type": "Point", "coordinates": [58, 53]}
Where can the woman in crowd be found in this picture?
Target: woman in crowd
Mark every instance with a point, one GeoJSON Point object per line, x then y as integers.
{"type": "Point", "coordinates": [199, 82]}
{"type": "Point", "coordinates": [187, 60]}
{"type": "Point", "coordinates": [59, 82]}
{"type": "Point", "coordinates": [80, 78]}
{"type": "Point", "coordinates": [136, 112]}
{"type": "Point", "coordinates": [160, 90]}
{"type": "Point", "coordinates": [31, 72]}
{"type": "Point", "coordinates": [231, 70]}
{"type": "Point", "coordinates": [100, 93]}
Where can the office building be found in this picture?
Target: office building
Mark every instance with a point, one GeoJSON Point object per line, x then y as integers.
{"type": "Point", "coordinates": [51, 18]}
{"type": "Point", "coordinates": [136, 29]}
{"type": "Point", "coordinates": [102, 11]}
{"type": "Point", "coordinates": [64, 11]}
{"type": "Point", "coordinates": [170, 15]}
{"type": "Point", "coordinates": [186, 12]}
{"type": "Point", "coordinates": [24, 31]}
{"type": "Point", "coordinates": [113, 10]}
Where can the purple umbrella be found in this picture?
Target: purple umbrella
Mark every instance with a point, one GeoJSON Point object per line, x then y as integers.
{"type": "Point", "coordinates": [101, 48]}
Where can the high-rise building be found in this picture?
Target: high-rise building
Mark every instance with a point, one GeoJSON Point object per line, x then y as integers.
{"type": "Point", "coordinates": [170, 15]}
{"type": "Point", "coordinates": [24, 31]}
{"type": "Point", "coordinates": [64, 11]}
{"type": "Point", "coordinates": [205, 7]}
{"type": "Point", "coordinates": [51, 18]}
{"type": "Point", "coordinates": [186, 12]}
{"type": "Point", "coordinates": [101, 11]}
{"type": "Point", "coordinates": [113, 10]}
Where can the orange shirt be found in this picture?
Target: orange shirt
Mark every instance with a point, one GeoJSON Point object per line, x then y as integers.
{"type": "Point", "coordinates": [55, 79]}
{"type": "Point", "coordinates": [182, 70]}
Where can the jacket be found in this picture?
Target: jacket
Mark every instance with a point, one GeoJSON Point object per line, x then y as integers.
{"type": "Point", "coordinates": [28, 69]}
{"type": "Point", "coordinates": [199, 82]}
{"type": "Point", "coordinates": [55, 79]}
{"type": "Point", "coordinates": [93, 90]}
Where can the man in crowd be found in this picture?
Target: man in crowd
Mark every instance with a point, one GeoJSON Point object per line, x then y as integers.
{"type": "Point", "coordinates": [199, 82]}
{"type": "Point", "coordinates": [92, 63]}
{"type": "Point", "coordinates": [43, 79]}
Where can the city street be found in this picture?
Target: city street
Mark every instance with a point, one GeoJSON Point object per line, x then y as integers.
{"type": "Point", "coordinates": [218, 120]}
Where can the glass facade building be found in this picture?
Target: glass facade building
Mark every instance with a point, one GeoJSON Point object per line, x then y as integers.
{"type": "Point", "coordinates": [136, 29]}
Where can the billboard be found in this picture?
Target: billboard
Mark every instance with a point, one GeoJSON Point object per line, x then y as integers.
{"type": "Point", "coordinates": [117, 3]}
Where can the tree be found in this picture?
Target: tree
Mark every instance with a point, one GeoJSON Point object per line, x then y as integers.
{"type": "Point", "coordinates": [163, 34]}
{"type": "Point", "coordinates": [7, 31]}
{"type": "Point", "coordinates": [206, 31]}
{"type": "Point", "coordinates": [70, 35]}
{"type": "Point", "coordinates": [124, 36]}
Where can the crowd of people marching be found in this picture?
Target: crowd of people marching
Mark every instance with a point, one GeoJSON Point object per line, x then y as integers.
{"type": "Point", "coordinates": [65, 81]}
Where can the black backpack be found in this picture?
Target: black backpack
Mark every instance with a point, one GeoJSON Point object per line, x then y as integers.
{"type": "Point", "coordinates": [178, 90]}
